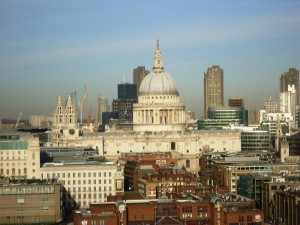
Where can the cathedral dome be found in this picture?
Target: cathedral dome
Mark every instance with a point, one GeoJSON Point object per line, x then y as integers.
{"type": "Point", "coordinates": [158, 82]}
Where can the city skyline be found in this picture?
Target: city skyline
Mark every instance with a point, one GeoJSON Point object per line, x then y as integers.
{"type": "Point", "coordinates": [49, 48]}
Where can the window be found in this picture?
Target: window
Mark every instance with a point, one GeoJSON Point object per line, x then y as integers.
{"type": "Point", "coordinates": [241, 218]}
{"type": "Point", "coordinates": [188, 163]}
{"type": "Point", "coordinates": [173, 146]}
{"type": "Point", "coordinates": [249, 218]}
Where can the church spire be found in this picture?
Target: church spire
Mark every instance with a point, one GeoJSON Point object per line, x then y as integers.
{"type": "Point", "coordinates": [158, 66]}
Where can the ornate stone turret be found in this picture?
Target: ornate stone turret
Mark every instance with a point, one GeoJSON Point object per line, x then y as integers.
{"type": "Point", "coordinates": [59, 113]}
{"type": "Point", "coordinates": [158, 66]}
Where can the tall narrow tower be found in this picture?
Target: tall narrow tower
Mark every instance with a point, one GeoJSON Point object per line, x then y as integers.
{"type": "Point", "coordinates": [290, 78]}
{"type": "Point", "coordinates": [102, 107]}
{"type": "Point", "coordinates": [213, 88]}
{"type": "Point", "coordinates": [139, 74]}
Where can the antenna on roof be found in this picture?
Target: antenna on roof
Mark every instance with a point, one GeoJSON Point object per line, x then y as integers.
{"type": "Point", "coordinates": [123, 79]}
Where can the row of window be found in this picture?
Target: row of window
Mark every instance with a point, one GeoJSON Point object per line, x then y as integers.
{"type": "Point", "coordinates": [187, 211]}
{"type": "Point", "coordinates": [14, 172]}
{"type": "Point", "coordinates": [12, 164]}
{"type": "Point", "coordinates": [89, 189]}
{"type": "Point", "coordinates": [93, 196]}
{"type": "Point", "coordinates": [161, 97]}
{"type": "Point", "coordinates": [79, 175]}
{"type": "Point", "coordinates": [27, 190]}
{"type": "Point", "coordinates": [13, 158]}
{"type": "Point", "coordinates": [80, 182]}
{"type": "Point", "coordinates": [13, 152]}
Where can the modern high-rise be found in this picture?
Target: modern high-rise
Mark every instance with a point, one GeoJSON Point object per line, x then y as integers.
{"type": "Point", "coordinates": [102, 107]}
{"type": "Point", "coordinates": [213, 88]}
{"type": "Point", "coordinates": [290, 78]}
{"type": "Point", "coordinates": [127, 91]}
{"type": "Point", "coordinates": [139, 74]}
{"type": "Point", "coordinates": [288, 103]}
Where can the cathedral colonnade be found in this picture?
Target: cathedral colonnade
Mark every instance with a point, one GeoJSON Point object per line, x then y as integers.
{"type": "Point", "coordinates": [159, 116]}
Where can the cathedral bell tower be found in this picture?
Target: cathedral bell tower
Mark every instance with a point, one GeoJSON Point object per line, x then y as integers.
{"type": "Point", "coordinates": [65, 119]}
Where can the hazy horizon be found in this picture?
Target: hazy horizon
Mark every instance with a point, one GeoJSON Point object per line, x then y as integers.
{"type": "Point", "coordinates": [51, 48]}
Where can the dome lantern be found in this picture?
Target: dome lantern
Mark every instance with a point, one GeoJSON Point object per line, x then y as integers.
{"type": "Point", "coordinates": [158, 82]}
{"type": "Point", "coordinates": [158, 66]}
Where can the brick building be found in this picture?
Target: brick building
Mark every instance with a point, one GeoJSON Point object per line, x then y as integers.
{"type": "Point", "coordinates": [136, 165]}
{"type": "Point", "coordinates": [182, 209]}
{"type": "Point", "coordinates": [157, 185]}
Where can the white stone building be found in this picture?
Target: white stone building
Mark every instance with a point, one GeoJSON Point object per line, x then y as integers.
{"type": "Point", "coordinates": [158, 126]}
{"type": "Point", "coordinates": [19, 155]}
{"type": "Point", "coordinates": [86, 182]}
{"type": "Point", "coordinates": [288, 103]}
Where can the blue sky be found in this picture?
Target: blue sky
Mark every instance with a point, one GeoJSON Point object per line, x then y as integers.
{"type": "Point", "coordinates": [54, 47]}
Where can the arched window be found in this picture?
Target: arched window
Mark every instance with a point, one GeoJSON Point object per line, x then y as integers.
{"type": "Point", "coordinates": [13, 171]}
{"type": "Point", "coordinates": [188, 163]}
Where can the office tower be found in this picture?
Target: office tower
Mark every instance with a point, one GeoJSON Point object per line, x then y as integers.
{"type": "Point", "coordinates": [127, 96]}
{"type": "Point", "coordinates": [290, 78]}
{"type": "Point", "coordinates": [236, 102]}
{"type": "Point", "coordinates": [213, 88]}
{"type": "Point", "coordinates": [127, 91]}
{"type": "Point", "coordinates": [271, 106]}
{"type": "Point", "coordinates": [139, 74]}
{"type": "Point", "coordinates": [124, 107]}
{"type": "Point", "coordinates": [288, 103]}
{"type": "Point", "coordinates": [254, 116]}
{"type": "Point", "coordinates": [102, 107]}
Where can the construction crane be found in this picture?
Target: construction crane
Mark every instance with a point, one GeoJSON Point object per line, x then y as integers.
{"type": "Point", "coordinates": [84, 98]}
{"type": "Point", "coordinates": [17, 124]}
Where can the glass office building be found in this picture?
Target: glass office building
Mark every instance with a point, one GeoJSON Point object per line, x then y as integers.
{"type": "Point", "coordinates": [224, 116]}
